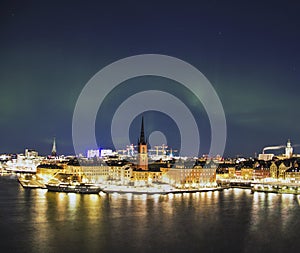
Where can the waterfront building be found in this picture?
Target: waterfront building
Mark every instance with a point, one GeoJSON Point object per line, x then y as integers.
{"type": "Point", "coordinates": [282, 169]}
{"type": "Point", "coordinates": [231, 173]}
{"type": "Point", "coordinates": [21, 164]}
{"type": "Point", "coordinates": [293, 173]}
{"type": "Point", "coordinates": [44, 171]}
{"type": "Point", "coordinates": [278, 168]}
{"type": "Point", "coordinates": [274, 169]}
{"type": "Point", "coordinates": [226, 170]}
{"type": "Point", "coordinates": [143, 178]}
{"type": "Point", "coordinates": [92, 174]}
{"type": "Point", "coordinates": [247, 173]}
{"type": "Point", "coordinates": [195, 177]}
{"type": "Point", "coordinates": [261, 173]}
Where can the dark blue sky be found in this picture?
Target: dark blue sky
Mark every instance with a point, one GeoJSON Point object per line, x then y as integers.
{"type": "Point", "coordinates": [248, 50]}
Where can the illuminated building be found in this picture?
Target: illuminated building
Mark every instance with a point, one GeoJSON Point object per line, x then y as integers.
{"type": "Point", "coordinates": [195, 177]}
{"type": "Point", "coordinates": [91, 153]}
{"type": "Point", "coordinates": [106, 152]}
{"type": "Point", "coordinates": [231, 172]}
{"type": "Point", "coordinates": [247, 173]}
{"type": "Point", "coordinates": [265, 157]}
{"type": "Point", "coordinates": [146, 177]}
{"type": "Point", "coordinates": [31, 153]}
{"type": "Point", "coordinates": [288, 150]}
{"type": "Point", "coordinates": [226, 170]}
{"type": "Point", "coordinates": [142, 159]}
{"type": "Point", "coordinates": [23, 163]}
{"type": "Point", "coordinates": [44, 172]}
{"type": "Point", "coordinates": [282, 168]}
{"type": "Point", "coordinates": [293, 174]}
{"type": "Point", "coordinates": [273, 170]}
{"type": "Point", "coordinates": [93, 174]}
{"type": "Point", "coordinates": [278, 169]}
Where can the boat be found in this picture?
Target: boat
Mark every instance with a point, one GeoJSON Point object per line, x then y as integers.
{"type": "Point", "coordinates": [83, 188]}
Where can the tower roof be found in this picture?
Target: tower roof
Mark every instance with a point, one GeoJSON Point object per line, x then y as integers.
{"type": "Point", "coordinates": [53, 152]}
{"type": "Point", "coordinates": [142, 139]}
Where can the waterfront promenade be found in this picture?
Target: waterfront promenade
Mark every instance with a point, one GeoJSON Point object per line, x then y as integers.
{"type": "Point", "coordinates": [255, 186]}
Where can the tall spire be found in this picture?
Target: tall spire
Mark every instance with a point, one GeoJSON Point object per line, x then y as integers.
{"type": "Point", "coordinates": [142, 159]}
{"type": "Point", "coordinates": [142, 134]}
{"type": "Point", "coordinates": [53, 152]}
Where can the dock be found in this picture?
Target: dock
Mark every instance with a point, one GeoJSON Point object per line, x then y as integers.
{"type": "Point", "coordinates": [30, 183]}
{"type": "Point", "coordinates": [276, 187]}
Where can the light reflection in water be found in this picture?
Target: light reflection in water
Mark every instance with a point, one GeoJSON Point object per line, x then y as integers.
{"type": "Point", "coordinates": [232, 219]}
{"type": "Point", "coordinates": [72, 201]}
{"type": "Point", "coordinates": [287, 205]}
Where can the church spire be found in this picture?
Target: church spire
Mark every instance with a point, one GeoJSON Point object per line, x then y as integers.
{"type": "Point", "coordinates": [53, 152]}
{"type": "Point", "coordinates": [142, 139]}
{"type": "Point", "coordinates": [142, 159]}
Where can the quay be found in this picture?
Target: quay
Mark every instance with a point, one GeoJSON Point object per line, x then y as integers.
{"type": "Point", "coordinates": [262, 186]}
{"type": "Point", "coordinates": [235, 183]}
{"type": "Point", "coordinates": [276, 187]}
{"type": "Point", "coordinates": [30, 182]}
{"type": "Point", "coordinates": [155, 190]}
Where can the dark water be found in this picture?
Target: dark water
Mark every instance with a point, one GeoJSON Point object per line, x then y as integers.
{"type": "Point", "coordinates": [230, 221]}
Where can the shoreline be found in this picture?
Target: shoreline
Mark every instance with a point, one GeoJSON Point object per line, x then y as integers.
{"type": "Point", "coordinates": [152, 191]}
{"type": "Point", "coordinates": [278, 188]}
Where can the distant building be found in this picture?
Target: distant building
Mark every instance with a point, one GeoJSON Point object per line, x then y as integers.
{"type": "Point", "coordinates": [265, 157]}
{"type": "Point", "coordinates": [288, 150]}
{"type": "Point", "coordinates": [31, 153]}
{"type": "Point", "coordinates": [106, 152]}
{"type": "Point", "coordinates": [93, 153]}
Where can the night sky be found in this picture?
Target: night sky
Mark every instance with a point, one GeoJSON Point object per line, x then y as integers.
{"type": "Point", "coordinates": [248, 50]}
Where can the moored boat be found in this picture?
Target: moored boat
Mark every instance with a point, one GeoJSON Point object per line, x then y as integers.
{"type": "Point", "coordinates": [82, 188]}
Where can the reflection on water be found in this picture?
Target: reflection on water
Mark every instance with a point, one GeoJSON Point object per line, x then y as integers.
{"type": "Point", "coordinates": [233, 220]}
{"type": "Point", "coordinates": [273, 223]}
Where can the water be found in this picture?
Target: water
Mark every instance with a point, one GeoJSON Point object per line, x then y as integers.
{"type": "Point", "coordinates": [230, 221]}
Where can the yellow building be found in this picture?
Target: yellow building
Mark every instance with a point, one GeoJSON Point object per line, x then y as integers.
{"type": "Point", "coordinates": [273, 170]}
{"type": "Point", "coordinates": [247, 173]}
{"type": "Point", "coordinates": [190, 177]}
{"type": "Point", "coordinates": [102, 174]}
{"type": "Point", "coordinates": [231, 172]}
{"type": "Point", "coordinates": [281, 170]}
{"type": "Point", "coordinates": [293, 174]}
{"type": "Point", "coordinates": [146, 177]}
{"type": "Point", "coordinates": [44, 172]}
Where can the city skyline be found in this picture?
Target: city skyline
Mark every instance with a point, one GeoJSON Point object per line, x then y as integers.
{"type": "Point", "coordinates": [248, 52]}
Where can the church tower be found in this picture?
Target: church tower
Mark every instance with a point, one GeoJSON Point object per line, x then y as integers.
{"type": "Point", "coordinates": [288, 149]}
{"type": "Point", "coordinates": [142, 160]}
{"type": "Point", "coordinates": [53, 152]}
